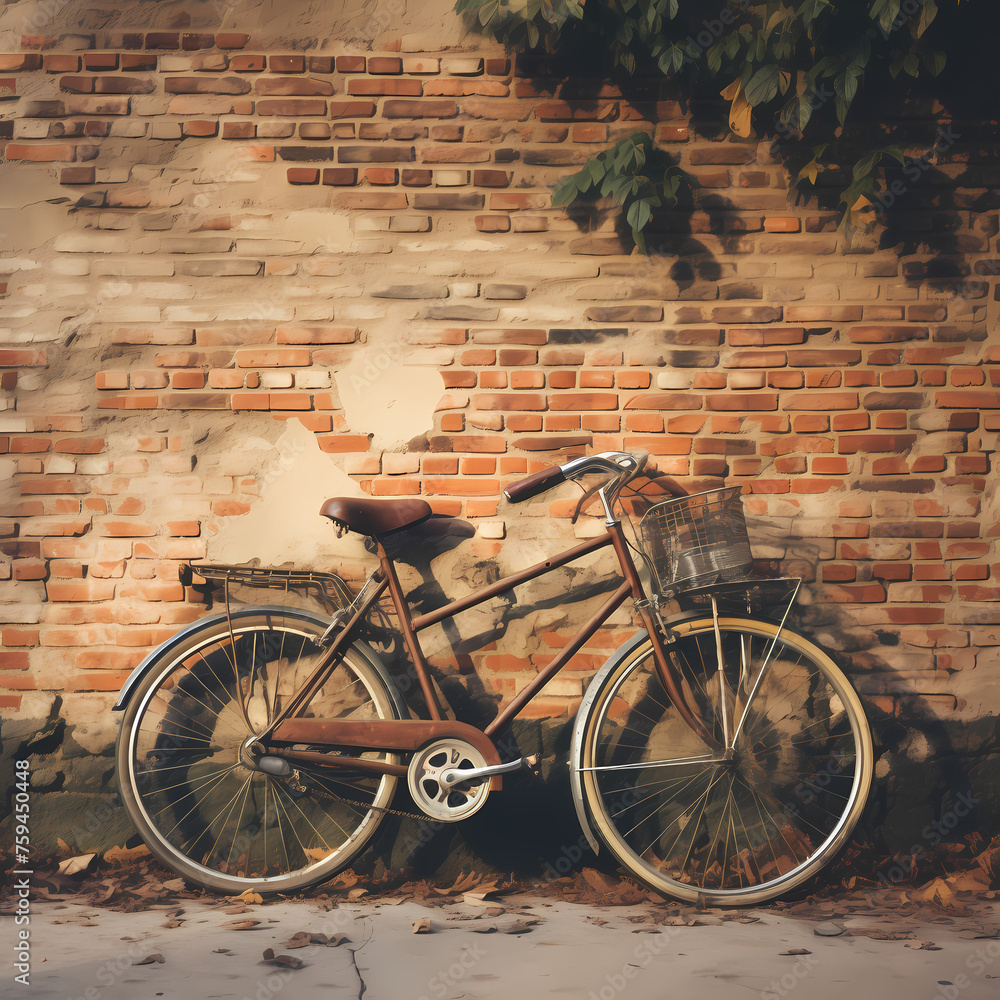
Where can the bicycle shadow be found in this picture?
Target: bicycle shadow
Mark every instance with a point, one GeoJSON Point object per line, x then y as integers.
{"type": "Point", "coordinates": [922, 777]}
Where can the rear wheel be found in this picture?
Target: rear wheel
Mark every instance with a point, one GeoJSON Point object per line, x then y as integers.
{"type": "Point", "coordinates": [186, 780]}
{"type": "Point", "coordinates": [739, 827]}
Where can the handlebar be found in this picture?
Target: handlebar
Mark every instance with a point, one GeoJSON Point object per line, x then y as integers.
{"type": "Point", "coordinates": [619, 463]}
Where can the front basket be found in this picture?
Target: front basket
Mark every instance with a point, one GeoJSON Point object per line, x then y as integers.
{"type": "Point", "coordinates": [696, 540]}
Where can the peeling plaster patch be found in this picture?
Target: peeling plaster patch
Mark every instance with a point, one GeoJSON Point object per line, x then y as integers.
{"type": "Point", "coordinates": [284, 526]}
{"type": "Point", "coordinates": [383, 397]}
{"type": "Point", "coordinates": [32, 226]}
{"type": "Point", "coordinates": [917, 747]}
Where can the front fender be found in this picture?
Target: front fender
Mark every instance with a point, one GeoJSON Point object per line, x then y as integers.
{"type": "Point", "coordinates": [581, 719]}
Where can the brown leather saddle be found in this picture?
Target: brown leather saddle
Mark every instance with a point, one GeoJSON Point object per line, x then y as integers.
{"type": "Point", "coordinates": [381, 518]}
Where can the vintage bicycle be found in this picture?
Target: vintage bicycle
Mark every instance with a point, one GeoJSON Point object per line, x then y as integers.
{"type": "Point", "coordinates": [718, 755]}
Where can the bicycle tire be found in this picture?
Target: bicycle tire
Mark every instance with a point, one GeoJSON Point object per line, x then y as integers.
{"type": "Point", "coordinates": [724, 832]}
{"type": "Point", "coordinates": [207, 816]}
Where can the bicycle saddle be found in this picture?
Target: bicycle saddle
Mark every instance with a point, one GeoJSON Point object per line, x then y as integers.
{"type": "Point", "coordinates": [376, 517]}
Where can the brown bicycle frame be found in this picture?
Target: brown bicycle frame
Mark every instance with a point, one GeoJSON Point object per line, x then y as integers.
{"type": "Point", "coordinates": [410, 735]}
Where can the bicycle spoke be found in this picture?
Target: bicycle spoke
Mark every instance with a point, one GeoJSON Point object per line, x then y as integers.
{"type": "Point", "coordinates": [700, 826]}
{"type": "Point", "coordinates": [201, 812]}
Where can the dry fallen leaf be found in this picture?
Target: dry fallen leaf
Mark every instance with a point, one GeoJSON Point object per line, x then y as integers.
{"type": "Point", "coordinates": [829, 929]}
{"type": "Point", "coordinates": [422, 926]}
{"type": "Point", "coordinates": [286, 960]}
{"type": "Point", "coordinates": [241, 925]}
{"type": "Point", "coordinates": [73, 866]}
{"type": "Point", "coordinates": [249, 896]}
{"type": "Point", "coordinates": [150, 959]}
{"type": "Point", "coordinates": [598, 881]}
{"type": "Point", "coordinates": [300, 939]}
{"type": "Point", "coordinates": [520, 927]}
{"type": "Point", "coordinates": [796, 951]}
{"type": "Point", "coordinates": [479, 896]}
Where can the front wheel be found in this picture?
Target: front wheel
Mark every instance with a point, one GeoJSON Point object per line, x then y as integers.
{"type": "Point", "coordinates": [197, 799]}
{"type": "Point", "coordinates": [759, 808]}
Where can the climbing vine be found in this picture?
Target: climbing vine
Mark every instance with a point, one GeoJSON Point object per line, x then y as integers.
{"type": "Point", "coordinates": [792, 71]}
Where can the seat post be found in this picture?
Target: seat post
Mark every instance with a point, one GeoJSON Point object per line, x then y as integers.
{"type": "Point", "coordinates": [406, 627]}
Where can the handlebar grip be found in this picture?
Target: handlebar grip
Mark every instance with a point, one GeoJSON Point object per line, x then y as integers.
{"type": "Point", "coordinates": [525, 489]}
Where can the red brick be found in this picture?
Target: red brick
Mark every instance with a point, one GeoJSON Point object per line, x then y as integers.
{"type": "Point", "coordinates": [303, 175]}
{"type": "Point", "coordinates": [39, 153]}
{"type": "Point", "coordinates": [381, 175]}
{"type": "Point", "coordinates": [80, 590]}
{"type": "Point", "coordinates": [264, 358]}
{"type": "Point", "coordinates": [742, 401]}
{"type": "Point", "coordinates": [340, 176]}
{"type": "Point", "coordinates": [665, 401]}
{"type": "Point", "coordinates": [584, 401]}
{"type": "Point", "coordinates": [201, 129]}
{"type": "Point", "coordinates": [461, 487]}
{"type": "Point", "coordinates": [231, 40]}
{"type": "Point", "coordinates": [13, 62]}
{"type": "Point", "coordinates": [291, 107]}
{"type": "Point", "coordinates": [970, 399]}
{"type": "Point", "coordinates": [352, 109]}
{"type": "Point", "coordinates": [60, 63]}
{"type": "Point", "coordinates": [292, 87]}
{"type": "Point", "coordinates": [358, 87]}
{"type": "Point", "coordinates": [419, 109]}
{"type": "Point", "coordinates": [191, 41]}
{"type": "Point", "coordinates": [247, 63]}
{"type": "Point", "coordinates": [820, 401]}
{"type": "Point", "coordinates": [340, 443]}
{"type": "Point", "coordinates": [19, 637]}
{"type": "Point", "coordinates": [350, 64]}
{"type": "Point", "coordinates": [886, 334]}
{"type": "Point", "coordinates": [287, 64]}
{"type": "Point", "coordinates": [502, 401]}
{"type": "Point", "coordinates": [822, 314]}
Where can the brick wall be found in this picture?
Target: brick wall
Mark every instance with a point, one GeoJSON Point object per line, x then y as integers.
{"type": "Point", "coordinates": [205, 233]}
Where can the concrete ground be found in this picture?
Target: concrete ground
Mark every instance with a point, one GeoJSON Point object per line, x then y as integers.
{"type": "Point", "coordinates": [519, 946]}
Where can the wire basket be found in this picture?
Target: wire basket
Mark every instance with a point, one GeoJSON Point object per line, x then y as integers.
{"type": "Point", "coordinates": [696, 540]}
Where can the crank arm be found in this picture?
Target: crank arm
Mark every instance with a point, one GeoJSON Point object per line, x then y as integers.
{"type": "Point", "coordinates": [455, 777]}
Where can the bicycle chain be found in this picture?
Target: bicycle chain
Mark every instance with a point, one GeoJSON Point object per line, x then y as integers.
{"type": "Point", "coordinates": [364, 805]}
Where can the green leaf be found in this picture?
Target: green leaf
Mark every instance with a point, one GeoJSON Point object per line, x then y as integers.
{"type": "Point", "coordinates": [928, 12]}
{"type": "Point", "coordinates": [638, 214]}
{"type": "Point", "coordinates": [911, 64]}
{"type": "Point", "coordinates": [763, 85]}
{"type": "Point", "coordinates": [596, 169]}
{"type": "Point", "coordinates": [714, 56]}
{"type": "Point", "coordinates": [809, 11]}
{"type": "Point", "coordinates": [934, 61]}
{"type": "Point", "coordinates": [885, 13]}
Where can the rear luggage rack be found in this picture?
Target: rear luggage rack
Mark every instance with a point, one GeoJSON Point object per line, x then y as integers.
{"type": "Point", "coordinates": [329, 588]}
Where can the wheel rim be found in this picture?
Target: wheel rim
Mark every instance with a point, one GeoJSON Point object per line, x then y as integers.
{"type": "Point", "coordinates": [693, 820]}
{"type": "Point", "coordinates": [201, 805]}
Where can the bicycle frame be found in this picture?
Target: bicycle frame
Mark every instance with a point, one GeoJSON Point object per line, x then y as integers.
{"type": "Point", "coordinates": [409, 735]}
